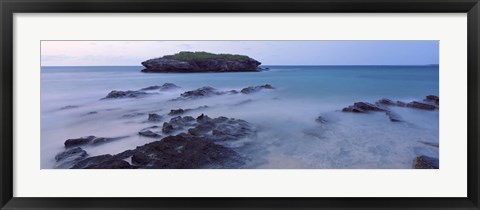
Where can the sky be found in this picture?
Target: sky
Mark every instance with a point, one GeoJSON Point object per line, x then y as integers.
{"type": "Point", "coordinates": [132, 53]}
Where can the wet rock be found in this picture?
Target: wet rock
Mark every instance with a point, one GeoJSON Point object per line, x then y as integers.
{"type": "Point", "coordinates": [149, 133]}
{"type": "Point", "coordinates": [68, 107]}
{"type": "Point", "coordinates": [249, 90]}
{"type": "Point", "coordinates": [425, 162]}
{"type": "Point", "coordinates": [401, 104]}
{"type": "Point", "coordinates": [202, 128]}
{"type": "Point", "coordinates": [363, 107]}
{"type": "Point", "coordinates": [203, 118]}
{"type": "Point", "coordinates": [393, 116]}
{"type": "Point", "coordinates": [69, 157]}
{"type": "Point", "coordinates": [420, 105]}
{"type": "Point", "coordinates": [115, 94]}
{"type": "Point", "coordinates": [154, 87]}
{"type": "Point", "coordinates": [152, 117]}
{"type": "Point", "coordinates": [78, 141]}
{"type": "Point", "coordinates": [221, 128]}
{"type": "Point", "coordinates": [176, 112]}
{"type": "Point", "coordinates": [91, 113]}
{"type": "Point", "coordinates": [385, 101]}
{"type": "Point", "coordinates": [244, 102]}
{"type": "Point", "coordinates": [432, 98]}
{"type": "Point", "coordinates": [177, 152]}
{"type": "Point", "coordinates": [178, 123]}
{"type": "Point", "coordinates": [90, 140]}
{"type": "Point", "coordinates": [167, 128]}
{"type": "Point", "coordinates": [430, 144]}
{"type": "Point", "coordinates": [168, 86]}
{"type": "Point", "coordinates": [320, 120]}
{"type": "Point", "coordinates": [102, 162]}
{"type": "Point", "coordinates": [164, 87]}
{"type": "Point", "coordinates": [201, 92]}
{"type": "Point", "coordinates": [132, 115]}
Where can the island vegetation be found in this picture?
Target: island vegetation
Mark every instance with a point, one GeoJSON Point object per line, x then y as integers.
{"type": "Point", "coordinates": [187, 62]}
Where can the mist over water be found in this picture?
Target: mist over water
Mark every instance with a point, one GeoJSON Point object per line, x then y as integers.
{"type": "Point", "coordinates": [287, 134]}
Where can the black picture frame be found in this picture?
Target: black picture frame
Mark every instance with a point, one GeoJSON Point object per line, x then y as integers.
{"type": "Point", "coordinates": [10, 7]}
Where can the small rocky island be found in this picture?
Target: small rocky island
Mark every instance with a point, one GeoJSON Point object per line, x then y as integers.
{"type": "Point", "coordinates": [187, 62]}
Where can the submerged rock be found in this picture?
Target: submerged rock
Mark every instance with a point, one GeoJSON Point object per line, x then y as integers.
{"type": "Point", "coordinates": [149, 133]}
{"type": "Point", "coordinates": [69, 157]}
{"type": "Point", "coordinates": [432, 98]}
{"type": "Point", "coordinates": [115, 94]}
{"type": "Point", "coordinates": [152, 117]}
{"type": "Point", "coordinates": [249, 90]}
{"type": "Point", "coordinates": [89, 140]}
{"type": "Point", "coordinates": [164, 87]}
{"type": "Point", "coordinates": [69, 107]}
{"type": "Point", "coordinates": [425, 162]}
{"type": "Point", "coordinates": [320, 120]}
{"type": "Point", "coordinates": [420, 105]}
{"type": "Point", "coordinates": [177, 123]}
{"type": "Point", "coordinates": [177, 111]}
{"type": "Point", "coordinates": [393, 116]}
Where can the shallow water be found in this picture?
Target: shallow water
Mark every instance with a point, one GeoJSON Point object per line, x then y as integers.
{"type": "Point", "coordinates": [287, 134]}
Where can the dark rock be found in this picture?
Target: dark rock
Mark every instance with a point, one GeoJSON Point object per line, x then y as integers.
{"type": "Point", "coordinates": [203, 118]}
{"type": "Point", "coordinates": [244, 102]}
{"type": "Point", "coordinates": [168, 86]}
{"type": "Point", "coordinates": [132, 115]}
{"type": "Point", "coordinates": [232, 92]}
{"type": "Point", "coordinates": [154, 117]}
{"type": "Point", "coordinates": [164, 87]}
{"type": "Point", "coordinates": [420, 105]}
{"type": "Point", "coordinates": [393, 116]}
{"type": "Point", "coordinates": [212, 63]}
{"type": "Point", "coordinates": [425, 162]}
{"type": "Point", "coordinates": [432, 98]}
{"type": "Point", "coordinates": [180, 152]}
{"type": "Point", "coordinates": [69, 107]}
{"type": "Point", "coordinates": [79, 141]}
{"type": "Point", "coordinates": [320, 120]}
{"type": "Point", "coordinates": [149, 133]}
{"type": "Point", "coordinates": [167, 128]}
{"type": "Point", "coordinates": [385, 101]}
{"type": "Point", "coordinates": [139, 158]}
{"type": "Point", "coordinates": [249, 90]}
{"type": "Point", "coordinates": [202, 128]}
{"type": "Point", "coordinates": [401, 104]}
{"type": "Point", "coordinates": [176, 111]}
{"type": "Point", "coordinates": [91, 113]}
{"type": "Point", "coordinates": [201, 92]}
{"type": "Point", "coordinates": [102, 162]}
{"type": "Point", "coordinates": [69, 157]}
{"type": "Point", "coordinates": [362, 107]}
{"type": "Point", "coordinates": [125, 94]}
{"type": "Point", "coordinates": [430, 144]}
{"type": "Point", "coordinates": [90, 139]}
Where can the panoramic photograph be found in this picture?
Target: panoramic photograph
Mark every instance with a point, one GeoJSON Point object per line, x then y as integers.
{"type": "Point", "coordinates": [240, 104]}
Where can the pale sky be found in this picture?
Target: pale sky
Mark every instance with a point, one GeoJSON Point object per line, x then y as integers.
{"type": "Point", "coordinates": [132, 53]}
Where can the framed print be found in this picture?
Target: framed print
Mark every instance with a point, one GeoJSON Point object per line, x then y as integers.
{"type": "Point", "coordinates": [239, 105]}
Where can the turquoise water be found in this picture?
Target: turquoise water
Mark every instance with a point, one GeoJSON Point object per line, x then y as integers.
{"type": "Point", "coordinates": [287, 137]}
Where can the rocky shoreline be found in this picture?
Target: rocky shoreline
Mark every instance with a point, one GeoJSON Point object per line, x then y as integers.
{"type": "Point", "coordinates": [183, 141]}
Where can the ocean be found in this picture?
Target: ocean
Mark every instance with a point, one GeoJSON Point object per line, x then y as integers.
{"type": "Point", "coordinates": [288, 135]}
